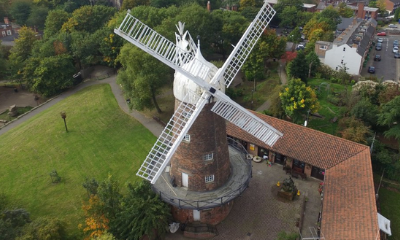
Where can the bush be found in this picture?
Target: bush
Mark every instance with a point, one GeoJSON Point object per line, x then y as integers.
{"type": "Point", "coordinates": [44, 229]}
{"type": "Point", "coordinates": [334, 100]}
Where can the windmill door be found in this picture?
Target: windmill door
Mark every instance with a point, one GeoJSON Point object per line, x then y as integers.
{"type": "Point", "coordinates": [185, 180]}
{"type": "Point", "coordinates": [196, 215]}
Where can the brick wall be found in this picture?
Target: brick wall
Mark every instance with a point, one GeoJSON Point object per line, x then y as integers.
{"type": "Point", "coordinates": [207, 135]}
{"type": "Point", "coordinates": [209, 216]}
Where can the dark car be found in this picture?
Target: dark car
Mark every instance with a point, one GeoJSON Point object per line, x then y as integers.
{"type": "Point", "coordinates": [377, 58]}
{"type": "Point", "coordinates": [378, 47]}
{"type": "Point", "coordinates": [395, 43]}
{"type": "Point", "coordinates": [397, 55]}
{"type": "Point", "coordinates": [371, 69]}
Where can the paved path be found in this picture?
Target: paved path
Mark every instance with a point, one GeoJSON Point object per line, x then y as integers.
{"type": "Point", "coordinates": [283, 77]}
{"type": "Point", "coordinates": [149, 123]}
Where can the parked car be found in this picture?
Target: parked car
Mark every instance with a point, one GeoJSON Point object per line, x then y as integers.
{"type": "Point", "coordinates": [395, 43]}
{"type": "Point", "coordinates": [381, 34]}
{"type": "Point", "coordinates": [392, 26]}
{"type": "Point", "coordinates": [380, 40]}
{"type": "Point", "coordinates": [371, 69]}
{"type": "Point", "coordinates": [377, 57]}
{"type": "Point", "coordinates": [397, 55]}
{"type": "Point", "coordinates": [378, 47]}
{"type": "Point", "coordinates": [300, 47]}
{"type": "Point", "coordinates": [395, 49]}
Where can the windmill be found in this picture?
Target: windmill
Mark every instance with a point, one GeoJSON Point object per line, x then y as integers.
{"type": "Point", "coordinates": [199, 161]}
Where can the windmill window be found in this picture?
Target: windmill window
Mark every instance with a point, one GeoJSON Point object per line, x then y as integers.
{"type": "Point", "coordinates": [186, 114]}
{"type": "Point", "coordinates": [186, 138]}
{"type": "Point", "coordinates": [208, 157]}
{"type": "Point", "coordinates": [209, 179]}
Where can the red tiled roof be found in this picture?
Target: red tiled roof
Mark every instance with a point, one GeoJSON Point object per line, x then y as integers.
{"type": "Point", "coordinates": [349, 208]}
{"type": "Point", "coordinates": [305, 144]}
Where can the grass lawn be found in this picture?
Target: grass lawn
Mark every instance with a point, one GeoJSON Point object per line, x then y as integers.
{"type": "Point", "coordinates": [20, 110]}
{"type": "Point", "coordinates": [328, 110]}
{"type": "Point", "coordinates": [390, 208]}
{"type": "Point", "coordinates": [102, 140]}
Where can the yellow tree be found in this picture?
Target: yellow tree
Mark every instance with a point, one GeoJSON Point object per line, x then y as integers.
{"type": "Point", "coordinates": [246, 3]}
{"type": "Point", "coordinates": [381, 4]}
{"type": "Point", "coordinates": [96, 224]}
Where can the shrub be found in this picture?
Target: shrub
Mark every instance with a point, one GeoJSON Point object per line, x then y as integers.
{"type": "Point", "coordinates": [44, 229]}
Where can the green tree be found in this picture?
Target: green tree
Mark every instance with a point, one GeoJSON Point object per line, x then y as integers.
{"type": "Point", "coordinates": [397, 14]}
{"type": "Point", "coordinates": [54, 21]}
{"type": "Point", "coordinates": [366, 111]}
{"type": "Point", "coordinates": [142, 213]}
{"type": "Point", "coordinates": [289, 16]}
{"type": "Point", "coordinates": [49, 76]}
{"type": "Point", "coordinates": [298, 68]}
{"type": "Point", "coordinates": [91, 186]}
{"type": "Point", "coordinates": [297, 99]}
{"type": "Point", "coordinates": [344, 10]}
{"type": "Point", "coordinates": [142, 77]}
{"type": "Point", "coordinates": [20, 11]}
{"type": "Point", "coordinates": [372, 4]}
{"type": "Point", "coordinates": [313, 62]}
{"type": "Point", "coordinates": [3, 63]}
{"type": "Point", "coordinates": [298, 4]}
{"type": "Point", "coordinates": [110, 196]}
{"type": "Point", "coordinates": [88, 18]}
{"type": "Point", "coordinates": [353, 129]}
{"type": "Point", "coordinates": [129, 4]}
{"type": "Point", "coordinates": [44, 229]}
{"type": "Point", "coordinates": [37, 17]}
{"type": "Point", "coordinates": [330, 16]}
{"type": "Point", "coordinates": [390, 117]}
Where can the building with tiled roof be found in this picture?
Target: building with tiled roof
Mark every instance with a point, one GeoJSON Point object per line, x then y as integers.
{"type": "Point", "coordinates": [348, 206]}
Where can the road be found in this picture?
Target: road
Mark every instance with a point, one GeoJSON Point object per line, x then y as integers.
{"type": "Point", "coordinates": [388, 67]}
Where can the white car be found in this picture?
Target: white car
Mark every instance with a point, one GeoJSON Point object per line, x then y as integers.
{"type": "Point", "coordinates": [392, 26]}
{"type": "Point", "coordinates": [380, 40]}
{"type": "Point", "coordinates": [395, 49]}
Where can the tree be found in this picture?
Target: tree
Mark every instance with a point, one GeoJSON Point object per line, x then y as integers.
{"type": "Point", "coordinates": [91, 186]}
{"type": "Point", "coordinates": [49, 76]}
{"type": "Point", "coordinates": [110, 197]}
{"type": "Point", "coordinates": [353, 129]}
{"type": "Point", "coordinates": [21, 52]}
{"type": "Point", "coordinates": [381, 4]}
{"type": "Point", "coordinates": [389, 92]}
{"type": "Point", "coordinates": [20, 11]}
{"type": "Point", "coordinates": [54, 21]}
{"type": "Point", "coordinates": [297, 99]}
{"type": "Point", "coordinates": [142, 77]}
{"type": "Point", "coordinates": [397, 14]}
{"type": "Point", "coordinates": [390, 117]}
{"type": "Point", "coordinates": [344, 10]}
{"type": "Point", "coordinates": [330, 16]}
{"type": "Point", "coordinates": [289, 16]}
{"type": "Point", "coordinates": [298, 4]}
{"type": "Point", "coordinates": [44, 229]}
{"type": "Point", "coordinates": [37, 17]}
{"type": "Point", "coordinates": [298, 68]}
{"type": "Point", "coordinates": [246, 3]}
{"type": "Point", "coordinates": [313, 62]}
{"type": "Point", "coordinates": [142, 213]}
{"type": "Point", "coordinates": [88, 19]}
{"type": "Point", "coordinates": [129, 4]}
{"type": "Point", "coordinates": [366, 111]}
{"type": "Point", "coordinates": [96, 223]}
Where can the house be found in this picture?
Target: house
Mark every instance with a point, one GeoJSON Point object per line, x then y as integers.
{"type": "Point", "coordinates": [348, 204]}
{"type": "Point", "coordinates": [392, 5]}
{"type": "Point", "coordinates": [6, 28]}
{"type": "Point", "coordinates": [306, 7]}
{"type": "Point", "coordinates": [350, 48]}
{"type": "Point", "coordinates": [362, 11]}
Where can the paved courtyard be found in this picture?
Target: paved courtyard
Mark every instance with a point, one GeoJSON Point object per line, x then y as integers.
{"type": "Point", "coordinates": [259, 214]}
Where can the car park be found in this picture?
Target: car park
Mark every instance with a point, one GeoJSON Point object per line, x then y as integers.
{"type": "Point", "coordinates": [371, 69]}
{"type": "Point", "coordinates": [395, 49]}
{"type": "Point", "coordinates": [380, 40]}
{"type": "Point", "coordinates": [397, 55]}
{"type": "Point", "coordinates": [377, 58]}
{"type": "Point", "coordinates": [381, 34]}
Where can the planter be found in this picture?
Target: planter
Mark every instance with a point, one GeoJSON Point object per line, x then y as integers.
{"type": "Point", "coordinates": [286, 195]}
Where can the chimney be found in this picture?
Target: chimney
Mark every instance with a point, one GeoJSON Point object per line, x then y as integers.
{"type": "Point", "coordinates": [209, 6]}
{"type": "Point", "coordinates": [6, 20]}
{"type": "Point", "coordinates": [360, 12]}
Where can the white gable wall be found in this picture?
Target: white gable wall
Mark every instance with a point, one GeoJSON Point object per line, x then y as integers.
{"type": "Point", "coordinates": [350, 57]}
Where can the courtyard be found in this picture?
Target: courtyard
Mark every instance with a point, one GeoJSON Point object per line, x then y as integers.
{"type": "Point", "coordinates": [259, 214]}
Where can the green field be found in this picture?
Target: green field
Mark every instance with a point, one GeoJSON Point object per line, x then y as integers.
{"type": "Point", "coordinates": [390, 208]}
{"type": "Point", "coordinates": [327, 110]}
{"type": "Point", "coordinates": [102, 140]}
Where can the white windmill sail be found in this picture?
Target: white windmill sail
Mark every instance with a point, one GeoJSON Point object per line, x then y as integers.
{"type": "Point", "coordinates": [187, 64]}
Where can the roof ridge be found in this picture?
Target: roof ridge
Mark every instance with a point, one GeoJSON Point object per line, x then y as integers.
{"type": "Point", "coordinates": [355, 154]}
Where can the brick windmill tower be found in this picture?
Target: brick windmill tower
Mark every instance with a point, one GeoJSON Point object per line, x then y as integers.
{"type": "Point", "coordinates": [191, 165]}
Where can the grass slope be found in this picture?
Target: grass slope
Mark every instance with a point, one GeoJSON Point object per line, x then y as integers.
{"type": "Point", "coordinates": [102, 140]}
{"type": "Point", "coordinates": [390, 207]}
